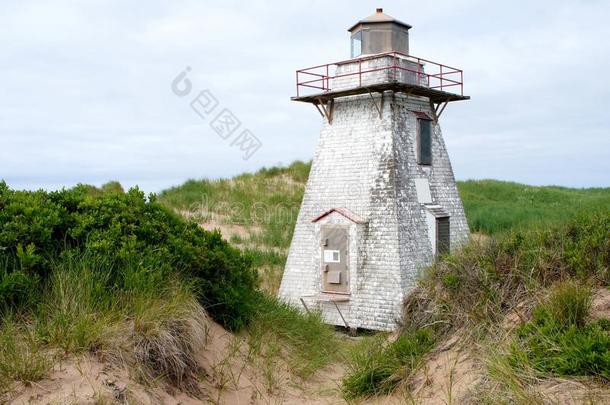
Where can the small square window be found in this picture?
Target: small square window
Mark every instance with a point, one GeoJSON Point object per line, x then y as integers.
{"type": "Point", "coordinates": [332, 256]}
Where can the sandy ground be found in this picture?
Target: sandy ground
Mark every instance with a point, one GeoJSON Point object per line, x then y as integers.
{"type": "Point", "coordinates": [230, 376]}
{"type": "Point", "coordinates": [448, 375]}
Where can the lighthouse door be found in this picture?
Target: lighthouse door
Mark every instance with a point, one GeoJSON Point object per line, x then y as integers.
{"type": "Point", "coordinates": [335, 269]}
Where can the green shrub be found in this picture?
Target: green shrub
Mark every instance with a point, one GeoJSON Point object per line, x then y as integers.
{"type": "Point", "coordinates": [376, 367]}
{"type": "Point", "coordinates": [587, 245]}
{"type": "Point", "coordinates": [37, 228]}
{"type": "Point", "coordinates": [557, 340]}
{"type": "Point", "coordinates": [18, 289]}
{"type": "Point", "coordinates": [478, 284]}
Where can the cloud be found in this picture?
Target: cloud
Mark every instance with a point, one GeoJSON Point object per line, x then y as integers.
{"type": "Point", "coordinates": [86, 86]}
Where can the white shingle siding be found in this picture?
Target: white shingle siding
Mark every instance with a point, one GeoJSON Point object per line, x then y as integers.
{"type": "Point", "coordinates": [369, 166]}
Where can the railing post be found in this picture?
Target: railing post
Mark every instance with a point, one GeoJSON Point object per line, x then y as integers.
{"type": "Point", "coordinates": [359, 72]}
{"type": "Point", "coordinates": [297, 79]}
{"type": "Point", "coordinates": [461, 82]}
{"type": "Point", "coordinates": [441, 77]}
{"type": "Point", "coordinates": [327, 79]}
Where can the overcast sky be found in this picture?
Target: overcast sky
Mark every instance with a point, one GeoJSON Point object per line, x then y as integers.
{"type": "Point", "coordinates": [86, 94]}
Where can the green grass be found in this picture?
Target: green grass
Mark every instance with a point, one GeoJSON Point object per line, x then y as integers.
{"type": "Point", "coordinates": [303, 340]}
{"type": "Point", "coordinates": [117, 275]}
{"type": "Point", "coordinates": [376, 366]}
{"type": "Point", "coordinates": [496, 206]}
{"type": "Point", "coordinates": [542, 234]}
{"type": "Point", "coordinates": [559, 341]}
{"type": "Point", "coordinates": [473, 290]}
{"type": "Point", "coordinates": [271, 198]}
{"type": "Point", "coordinates": [21, 355]}
{"type": "Point", "coordinates": [270, 265]}
{"type": "Point", "coordinates": [478, 284]}
{"type": "Point", "coordinates": [266, 203]}
{"type": "Point", "coordinates": [96, 270]}
{"type": "Point", "coordinates": [151, 325]}
{"type": "Point", "coordinates": [568, 304]}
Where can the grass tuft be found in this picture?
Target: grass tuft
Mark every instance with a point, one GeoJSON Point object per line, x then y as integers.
{"type": "Point", "coordinates": [377, 367]}
{"type": "Point", "coordinates": [154, 327]}
{"type": "Point", "coordinates": [21, 355]}
{"type": "Point", "coordinates": [165, 339]}
{"type": "Point", "coordinates": [569, 304]}
{"type": "Point", "coordinates": [558, 341]}
{"type": "Point", "coordinates": [279, 329]}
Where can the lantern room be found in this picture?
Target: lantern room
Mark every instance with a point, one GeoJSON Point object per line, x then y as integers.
{"type": "Point", "coordinates": [380, 62]}
{"type": "Point", "coordinates": [379, 33]}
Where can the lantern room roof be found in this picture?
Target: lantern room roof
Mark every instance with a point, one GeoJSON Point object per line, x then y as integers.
{"type": "Point", "coordinates": [379, 17]}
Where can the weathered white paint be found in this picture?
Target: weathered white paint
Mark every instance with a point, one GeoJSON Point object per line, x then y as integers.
{"type": "Point", "coordinates": [368, 165]}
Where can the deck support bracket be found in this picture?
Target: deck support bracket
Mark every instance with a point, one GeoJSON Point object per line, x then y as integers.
{"type": "Point", "coordinates": [438, 109]}
{"type": "Point", "coordinates": [379, 107]}
{"type": "Point", "coordinates": [305, 306]}
{"type": "Point", "coordinates": [325, 109]}
{"type": "Point", "coordinates": [341, 315]}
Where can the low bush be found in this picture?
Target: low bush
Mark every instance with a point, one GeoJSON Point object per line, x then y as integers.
{"type": "Point", "coordinates": [377, 367]}
{"type": "Point", "coordinates": [17, 288]}
{"type": "Point", "coordinates": [558, 341]}
{"type": "Point", "coordinates": [38, 228]}
{"type": "Point", "coordinates": [478, 284]}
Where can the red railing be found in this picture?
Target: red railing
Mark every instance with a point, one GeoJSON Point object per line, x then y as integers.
{"type": "Point", "coordinates": [434, 75]}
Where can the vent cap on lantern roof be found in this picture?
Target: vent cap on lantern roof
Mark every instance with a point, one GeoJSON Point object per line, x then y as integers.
{"type": "Point", "coordinates": [379, 17]}
{"type": "Point", "coordinates": [379, 33]}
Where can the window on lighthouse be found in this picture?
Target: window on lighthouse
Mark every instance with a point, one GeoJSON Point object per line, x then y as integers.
{"type": "Point", "coordinates": [356, 44]}
{"type": "Point", "coordinates": [424, 141]}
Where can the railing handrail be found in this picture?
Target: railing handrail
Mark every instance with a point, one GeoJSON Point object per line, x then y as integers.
{"type": "Point", "coordinates": [321, 73]}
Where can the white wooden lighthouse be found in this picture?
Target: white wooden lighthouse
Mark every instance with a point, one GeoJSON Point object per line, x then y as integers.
{"type": "Point", "coordinates": [381, 201]}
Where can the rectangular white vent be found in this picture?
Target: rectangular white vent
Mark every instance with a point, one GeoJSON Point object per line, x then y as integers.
{"type": "Point", "coordinates": [422, 187]}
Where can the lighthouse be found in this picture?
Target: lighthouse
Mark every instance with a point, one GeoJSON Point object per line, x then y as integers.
{"type": "Point", "coordinates": [381, 203]}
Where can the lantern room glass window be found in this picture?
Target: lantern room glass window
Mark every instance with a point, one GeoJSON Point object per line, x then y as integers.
{"type": "Point", "coordinates": [357, 44]}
